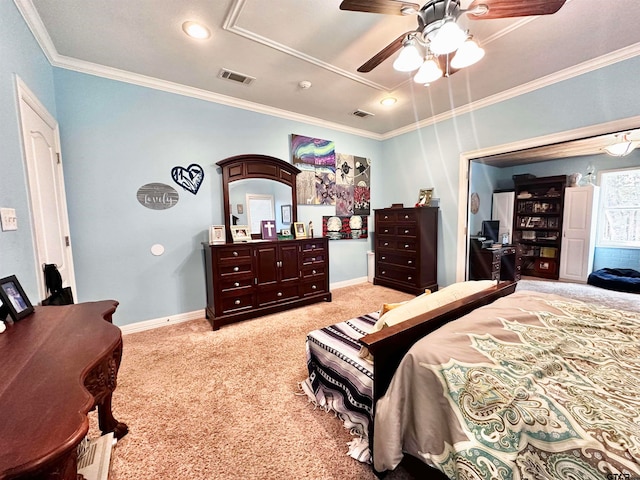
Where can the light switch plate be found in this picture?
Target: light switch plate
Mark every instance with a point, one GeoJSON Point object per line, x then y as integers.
{"type": "Point", "coordinates": [8, 219]}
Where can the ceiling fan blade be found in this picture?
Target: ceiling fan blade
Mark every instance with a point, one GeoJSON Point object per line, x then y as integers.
{"type": "Point", "coordinates": [515, 8]}
{"type": "Point", "coordinates": [383, 54]}
{"type": "Point", "coordinates": [386, 7]}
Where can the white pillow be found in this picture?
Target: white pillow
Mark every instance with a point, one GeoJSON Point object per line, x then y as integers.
{"type": "Point", "coordinates": [426, 303]}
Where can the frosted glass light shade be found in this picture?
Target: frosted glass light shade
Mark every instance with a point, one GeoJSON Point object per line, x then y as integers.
{"type": "Point", "coordinates": [409, 59]}
{"type": "Point", "coordinates": [468, 54]}
{"type": "Point", "coordinates": [448, 38]}
{"type": "Point", "coordinates": [429, 72]}
{"type": "Point", "coordinates": [621, 149]}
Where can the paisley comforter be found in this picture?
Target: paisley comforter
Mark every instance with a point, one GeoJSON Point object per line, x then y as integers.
{"type": "Point", "coordinates": [533, 386]}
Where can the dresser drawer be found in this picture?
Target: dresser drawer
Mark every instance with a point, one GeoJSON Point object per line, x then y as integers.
{"type": "Point", "coordinates": [400, 216]}
{"type": "Point", "coordinates": [393, 243]}
{"type": "Point", "coordinates": [396, 259]}
{"type": "Point", "coordinates": [313, 271]}
{"type": "Point", "coordinates": [390, 272]}
{"type": "Point", "coordinates": [242, 266]}
{"type": "Point", "coordinates": [312, 245]}
{"type": "Point", "coordinates": [272, 295]}
{"type": "Point", "coordinates": [235, 252]}
{"type": "Point", "coordinates": [404, 230]}
{"type": "Point", "coordinates": [233, 282]}
{"type": "Point", "coordinates": [315, 257]}
{"type": "Point", "coordinates": [309, 288]}
{"type": "Point", "coordinates": [241, 301]}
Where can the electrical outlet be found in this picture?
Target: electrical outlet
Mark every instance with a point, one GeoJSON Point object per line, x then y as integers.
{"type": "Point", "coordinates": [8, 219]}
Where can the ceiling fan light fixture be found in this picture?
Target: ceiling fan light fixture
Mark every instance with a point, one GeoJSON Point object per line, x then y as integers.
{"type": "Point", "coordinates": [429, 72]}
{"type": "Point", "coordinates": [446, 39]}
{"type": "Point", "coordinates": [196, 30]}
{"type": "Point", "coordinates": [409, 59]}
{"type": "Point", "coordinates": [621, 148]}
{"type": "Point", "coordinates": [468, 54]}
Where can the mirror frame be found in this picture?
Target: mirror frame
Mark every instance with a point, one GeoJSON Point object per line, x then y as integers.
{"type": "Point", "coordinates": [241, 167]}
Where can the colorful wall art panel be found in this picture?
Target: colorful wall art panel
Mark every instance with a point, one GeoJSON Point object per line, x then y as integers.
{"type": "Point", "coordinates": [316, 183]}
{"type": "Point", "coordinates": [344, 228]}
{"type": "Point", "coordinates": [353, 181]}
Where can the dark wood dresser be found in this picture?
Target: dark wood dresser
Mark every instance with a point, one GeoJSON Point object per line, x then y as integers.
{"type": "Point", "coordinates": [246, 280]}
{"type": "Point", "coordinates": [406, 248]}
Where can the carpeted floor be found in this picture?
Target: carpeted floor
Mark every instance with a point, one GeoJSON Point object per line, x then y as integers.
{"type": "Point", "coordinates": [221, 405]}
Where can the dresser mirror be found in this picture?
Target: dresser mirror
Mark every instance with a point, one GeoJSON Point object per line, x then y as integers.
{"type": "Point", "coordinates": [254, 188]}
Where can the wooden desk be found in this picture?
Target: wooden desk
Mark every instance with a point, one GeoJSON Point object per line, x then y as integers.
{"type": "Point", "coordinates": [55, 366]}
{"type": "Point", "coordinates": [502, 263]}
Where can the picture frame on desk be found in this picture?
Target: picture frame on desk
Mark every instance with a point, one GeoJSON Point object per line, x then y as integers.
{"type": "Point", "coordinates": [299, 230]}
{"type": "Point", "coordinates": [14, 299]}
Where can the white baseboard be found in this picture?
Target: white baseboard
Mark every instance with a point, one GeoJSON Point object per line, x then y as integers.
{"type": "Point", "coordinates": [198, 314]}
{"type": "Point", "coordinates": [161, 322]}
{"type": "Point", "coordinates": [348, 283]}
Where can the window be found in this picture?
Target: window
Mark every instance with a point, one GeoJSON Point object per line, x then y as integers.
{"type": "Point", "coordinates": [619, 221]}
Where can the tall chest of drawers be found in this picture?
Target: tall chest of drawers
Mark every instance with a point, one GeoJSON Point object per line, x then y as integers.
{"type": "Point", "coordinates": [246, 280]}
{"type": "Point", "coordinates": [406, 248]}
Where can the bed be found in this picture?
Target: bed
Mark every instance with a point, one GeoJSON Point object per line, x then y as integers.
{"type": "Point", "coordinates": [531, 385]}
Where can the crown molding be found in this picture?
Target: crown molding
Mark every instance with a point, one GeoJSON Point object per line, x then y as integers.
{"type": "Point", "coordinates": [566, 74]}
{"type": "Point", "coordinates": [41, 35]}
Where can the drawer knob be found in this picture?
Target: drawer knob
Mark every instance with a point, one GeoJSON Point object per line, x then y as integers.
{"type": "Point", "coordinates": [235, 254]}
{"type": "Point", "coordinates": [386, 244]}
{"type": "Point", "coordinates": [235, 269]}
{"type": "Point", "coordinates": [313, 287]}
{"type": "Point", "coordinates": [406, 231]}
{"type": "Point", "coordinates": [386, 216]}
{"type": "Point", "coordinates": [313, 272]}
{"type": "Point", "coordinates": [406, 245]}
{"type": "Point", "coordinates": [237, 284]}
{"type": "Point", "coordinates": [406, 216]}
{"type": "Point", "coordinates": [409, 278]}
{"type": "Point", "coordinates": [313, 259]}
{"type": "Point", "coordinates": [237, 302]}
{"type": "Point", "coordinates": [279, 294]}
{"type": "Point", "coordinates": [409, 262]}
{"type": "Point", "coordinates": [386, 230]}
{"type": "Point", "coordinates": [313, 246]}
{"type": "Point", "coordinates": [383, 258]}
{"type": "Point", "coordinates": [384, 272]}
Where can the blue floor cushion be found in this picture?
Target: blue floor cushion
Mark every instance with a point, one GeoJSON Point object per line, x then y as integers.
{"type": "Point", "coordinates": [619, 279]}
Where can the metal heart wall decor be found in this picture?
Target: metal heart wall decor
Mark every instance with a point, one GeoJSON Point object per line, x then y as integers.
{"type": "Point", "coordinates": [189, 178]}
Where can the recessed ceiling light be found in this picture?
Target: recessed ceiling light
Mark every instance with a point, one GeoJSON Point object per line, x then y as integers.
{"type": "Point", "coordinates": [388, 101]}
{"type": "Point", "coordinates": [196, 30]}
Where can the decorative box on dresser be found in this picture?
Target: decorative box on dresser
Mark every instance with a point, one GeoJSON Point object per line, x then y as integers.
{"type": "Point", "coordinates": [406, 247]}
{"type": "Point", "coordinates": [246, 280]}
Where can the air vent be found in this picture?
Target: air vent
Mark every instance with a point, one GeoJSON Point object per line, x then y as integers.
{"type": "Point", "coordinates": [235, 77]}
{"type": "Point", "coordinates": [363, 114]}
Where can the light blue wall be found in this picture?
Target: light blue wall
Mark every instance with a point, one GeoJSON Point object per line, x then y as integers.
{"type": "Point", "coordinates": [19, 55]}
{"type": "Point", "coordinates": [117, 137]}
{"type": "Point", "coordinates": [482, 179]}
{"type": "Point", "coordinates": [430, 156]}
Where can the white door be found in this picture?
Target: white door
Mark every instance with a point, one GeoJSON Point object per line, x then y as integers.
{"type": "Point", "coordinates": [502, 209]}
{"type": "Point", "coordinates": [48, 204]}
{"type": "Point", "coordinates": [578, 233]}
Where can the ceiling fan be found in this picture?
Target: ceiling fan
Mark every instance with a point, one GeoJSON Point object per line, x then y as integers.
{"type": "Point", "coordinates": [438, 46]}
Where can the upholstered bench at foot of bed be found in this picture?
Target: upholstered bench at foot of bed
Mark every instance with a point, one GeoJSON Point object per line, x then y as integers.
{"type": "Point", "coordinates": [340, 380]}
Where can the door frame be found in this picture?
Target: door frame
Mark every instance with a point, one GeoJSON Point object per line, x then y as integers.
{"type": "Point", "coordinates": [24, 94]}
{"type": "Point", "coordinates": [464, 217]}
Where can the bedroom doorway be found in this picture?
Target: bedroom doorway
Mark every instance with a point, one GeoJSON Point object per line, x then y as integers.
{"type": "Point", "coordinates": [521, 152]}
{"type": "Point", "coordinates": [47, 199]}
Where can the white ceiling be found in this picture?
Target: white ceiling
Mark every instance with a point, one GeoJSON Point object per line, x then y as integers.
{"type": "Point", "coordinates": [282, 42]}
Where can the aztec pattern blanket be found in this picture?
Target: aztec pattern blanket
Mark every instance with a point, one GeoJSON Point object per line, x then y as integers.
{"type": "Point", "coordinates": [340, 381]}
{"type": "Point", "coordinates": [533, 386]}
